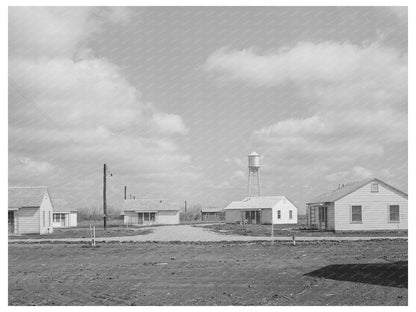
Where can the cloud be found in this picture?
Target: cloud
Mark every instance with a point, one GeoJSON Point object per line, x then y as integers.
{"type": "Point", "coordinates": [70, 112]}
{"type": "Point", "coordinates": [169, 123]}
{"type": "Point", "coordinates": [306, 63]}
{"type": "Point", "coordinates": [44, 32]}
{"type": "Point", "coordinates": [351, 121]}
{"type": "Point", "coordinates": [35, 167]}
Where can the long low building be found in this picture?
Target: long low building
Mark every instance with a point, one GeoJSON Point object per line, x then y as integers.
{"type": "Point", "coordinates": [150, 212]}
{"type": "Point", "coordinates": [30, 210]}
{"type": "Point", "coordinates": [262, 210]}
{"type": "Point", "coordinates": [212, 214]}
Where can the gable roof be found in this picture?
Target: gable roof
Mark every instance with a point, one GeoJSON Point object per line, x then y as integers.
{"type": "Point", "coordinates": [348, 188]}
{"type": "Point", "coordinates": [21, 197]}
{"type": "Point", "coordinates": [255, 202]}
{"type": "Point", "coordinates": [211, 209]}
{"type": "Point", "coordinates": [61, 205]}
{"type": "Point", "coordinates": [149, 205]}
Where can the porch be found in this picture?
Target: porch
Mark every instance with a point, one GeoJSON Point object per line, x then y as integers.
{"type": "Point", "coordinates": [317, 215]}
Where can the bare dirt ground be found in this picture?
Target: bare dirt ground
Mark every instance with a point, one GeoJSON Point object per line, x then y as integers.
{"type": "Point", "coordinates": [290, 230]}
{"type": "Point", "coordinates": [85, 232]}
{"type": "Point", "coordinates": [310, 273]}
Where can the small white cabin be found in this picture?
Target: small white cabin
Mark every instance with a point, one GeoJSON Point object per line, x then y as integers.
{"type": "Point", "coordinates": [63, 215]}
{"type": "Point", "coordinates": [150, 212]}
{"type": "Point", "coordinates": [30, 210]}
{"type": "Point", "coordinates": [368, 205]}
{"type": "Point", "coordinates": [262, 210]}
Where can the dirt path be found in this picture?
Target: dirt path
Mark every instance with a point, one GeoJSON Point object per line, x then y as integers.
{"type": "Point", "coordinates": [187, 233]}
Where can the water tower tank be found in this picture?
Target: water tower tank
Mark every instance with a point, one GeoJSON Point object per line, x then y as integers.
{"type": "Point", "coordinates": [254, 160]}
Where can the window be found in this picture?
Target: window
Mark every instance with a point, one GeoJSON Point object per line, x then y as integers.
{"type": "Point", "coordinates": [290, 214]}
{"type": "Point", "coordinates": [374, 187]}
{"type": "Point", "coordinates": [356, 214]}
{"type": "Point", "coordinates": [278, 214]}
{"type": "Point", "coordinates": [56, 217]}
{"type": "Point", "coordinates": [394, 213]}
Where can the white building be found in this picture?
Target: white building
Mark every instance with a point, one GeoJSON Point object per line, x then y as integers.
{"type": "Point", "coordinates": [150, 212]}
{"type": "Point", "coordinates": [63, 215]}
{"type": "Point", "coordinates": [262, 210]}
{"type": "Point", "coordinates": [30, 210]}
{"type": "Point", "coordinates": [366, 205]}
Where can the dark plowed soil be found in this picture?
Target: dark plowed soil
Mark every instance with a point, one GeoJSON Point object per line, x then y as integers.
{"type": "Point", "coordinates": [315, 273]}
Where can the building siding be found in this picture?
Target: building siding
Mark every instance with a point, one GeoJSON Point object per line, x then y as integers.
{"type": "Point", "coordinates": [167, 217]}
{"type": "Point", "coordinates": [374, 210]}
{"type": "Point", "coordinates": [266, 216]}
{"type": "Point", "coordinates": [28, 221]}
{"type": "Point", "coordinates": [73, 219]}
{"type": "Point", "coordinates": [47, 210]}
{"type": "Point", "coordinates": [162, 217]}
{"type": "Point", "coordinates": [285, 206]}
{"type": "Point", "coordinates": [232, 216]}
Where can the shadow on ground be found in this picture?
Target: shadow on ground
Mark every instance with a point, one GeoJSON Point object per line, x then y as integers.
{"type": "Point", "coordinates": [384, 274]}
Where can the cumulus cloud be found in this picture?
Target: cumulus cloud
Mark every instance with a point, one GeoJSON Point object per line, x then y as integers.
{"type": "Point", "coordinates": [306, 63]}
{"type": "Point", "coordinates": [69, 111]}
{"type": "Point", "coordinates": [352, 112]}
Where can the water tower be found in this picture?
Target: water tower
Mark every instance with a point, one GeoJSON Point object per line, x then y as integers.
{"type": "Point", "coordinates": [253, 175]}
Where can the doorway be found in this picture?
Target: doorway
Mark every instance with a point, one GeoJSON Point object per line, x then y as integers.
{"type": "Point", "coordinates": [252, 217]}
{"type": "Point", "coordinates": [11, 222]}
{"type": "Point", "coordinates": [323, 218]}
{"type": "Point", "coordinates": [146, 218]}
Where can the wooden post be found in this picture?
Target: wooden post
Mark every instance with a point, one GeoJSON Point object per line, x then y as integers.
{"type": "Point", "coordinates": [125, 192]}
{"type": "Point", "coordinates": [294, 240]}
{"type": "Point", "coordinates": [272, 233]}
{"type": "Point", "coordinates": [105, 196]}
{"type": "Point", "coordinates": [93, 241]}
{"type": "Point", "coordinates": [185, 210]}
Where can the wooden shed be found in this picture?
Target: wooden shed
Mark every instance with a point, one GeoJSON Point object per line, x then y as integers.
{"type": "Point", "coordinates": [30, 210]}
{"type": "Point", "coordinates": [366, 205]}
{"type": "Point", "coordinates": [63, 215]}
{"type": "Point", "coordinates": [150, 212]}
{"type": "Point", "coordinates": [262, 210]}
{"type": "Point", "coordinates": [212, 214]}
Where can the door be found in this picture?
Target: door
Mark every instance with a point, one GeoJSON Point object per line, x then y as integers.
{"type": "Point", "coordinates": [140, 218]}
{"type": "Point", "coordinates": [323, 218]}
{"type": "Point", "coordinates": [11, 222]}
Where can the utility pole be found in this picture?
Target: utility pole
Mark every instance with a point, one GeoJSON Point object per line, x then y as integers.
{"type": "Point", "coordinates": [105, 196]}
{"type": "Point", "coordinates": [125, 192]}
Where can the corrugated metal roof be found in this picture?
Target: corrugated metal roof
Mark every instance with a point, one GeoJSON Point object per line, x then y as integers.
{"type": "Point", "coordinates": [20, 197]}
{"type": "Point", "coordinates": [61, 205]}
{"type": "Point", "coordinates": [212, 209]}
{"type": "Point", "coordinates": [149, 205]}
{"type": "Point", "coordinates": [348, 189]}
{"type": "Point", "coordinates": [255, 202]}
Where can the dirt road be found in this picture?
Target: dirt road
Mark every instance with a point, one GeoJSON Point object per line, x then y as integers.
{"type": "Point", "coordinates": [187, 233]}
{"type": "Point", "coordinates": [311, 273]}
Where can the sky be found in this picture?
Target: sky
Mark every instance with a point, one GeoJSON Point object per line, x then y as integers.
{"type": "Point", "coordinates": [173, 99]}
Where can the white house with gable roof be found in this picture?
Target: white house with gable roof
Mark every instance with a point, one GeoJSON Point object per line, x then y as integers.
{"type": "Point", "coordinates": [262, 210]}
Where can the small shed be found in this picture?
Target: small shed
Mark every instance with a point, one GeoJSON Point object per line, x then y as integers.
{"type": "Point", "coordinates": [262, 210]}
{"type": "Point", "coordinates": [30, 210]}
{"type": "Point", "coordinates": [212, 214]}
{"type": "Point", "coordinates": [64, 216]}
{"type": "Point", "coordinates": [150, 212]}
{"type": "Point", "coordinates": [365, 205]}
